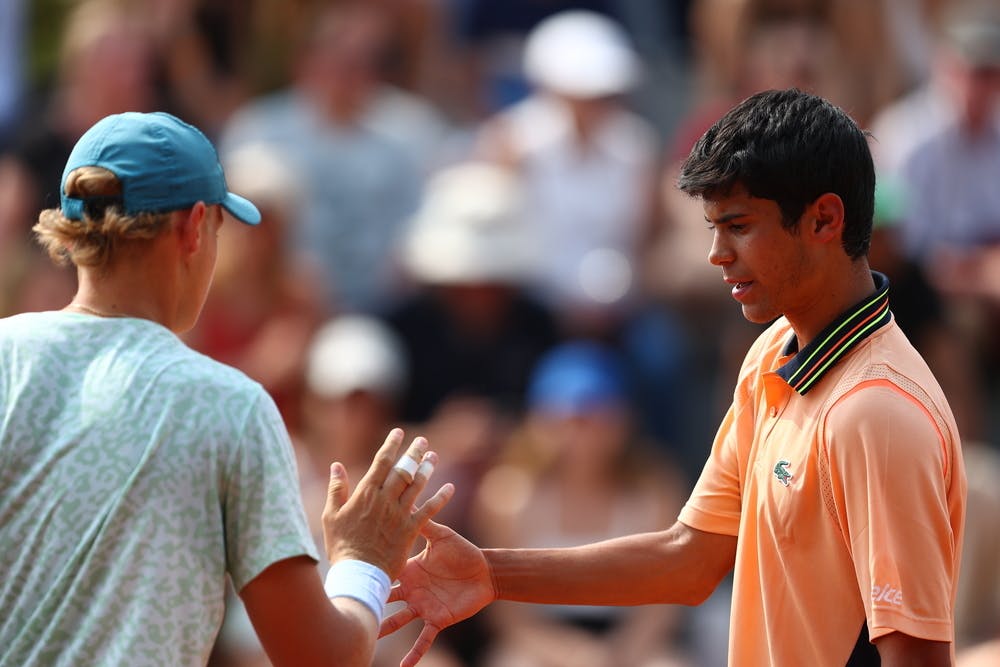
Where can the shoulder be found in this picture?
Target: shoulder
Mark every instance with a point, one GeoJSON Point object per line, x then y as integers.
{"type": "Point", "coordinates": [888, 360]}
{"type": "Point", "coordinates": [189, 368]}
{"type": "Point", "coordinates": [888, 397]}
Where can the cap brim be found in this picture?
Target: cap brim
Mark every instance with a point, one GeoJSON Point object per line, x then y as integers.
{"type": "Point", "coordinates": [241, 208]}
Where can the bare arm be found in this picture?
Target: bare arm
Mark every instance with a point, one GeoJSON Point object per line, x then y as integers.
{"type": "Point", "coordinates": [680, 565]}
{"type": "Point", "coordinates": [452, 579]}
{"type": "Point", "coordinates": [898, 650]}
{"type": "Point", "coordinates": [298, 625]}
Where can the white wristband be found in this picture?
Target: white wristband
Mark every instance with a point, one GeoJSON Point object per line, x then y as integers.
{"type": "Point", "coordinates": [361, 581]}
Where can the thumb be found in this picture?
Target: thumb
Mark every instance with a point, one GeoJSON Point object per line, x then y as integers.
{"type": "Point", "coordinates": [435, 531]}
{"type": "Point", "coordinates": [339, 490]}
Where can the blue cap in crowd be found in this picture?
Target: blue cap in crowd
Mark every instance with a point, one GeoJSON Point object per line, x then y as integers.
{"type": "Point", "coordinates": [163, 163]}
{"type": "Point", "coordinates": [576, 378]}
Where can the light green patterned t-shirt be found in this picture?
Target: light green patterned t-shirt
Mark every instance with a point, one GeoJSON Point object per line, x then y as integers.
{"type": "Point", "coordinates": [135, 474]}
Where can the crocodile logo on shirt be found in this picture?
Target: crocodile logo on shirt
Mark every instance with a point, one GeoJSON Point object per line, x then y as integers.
{"type": "Point", "coordinates": [783, 475]}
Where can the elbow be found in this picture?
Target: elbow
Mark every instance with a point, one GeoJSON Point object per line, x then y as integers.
{"type": "Point", "coordinates": [699, 591]}
{"type": "Point", "coordinates": [707, 565]}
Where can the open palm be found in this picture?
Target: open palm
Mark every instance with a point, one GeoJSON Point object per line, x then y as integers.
{"type": "Point", "coordinates": [445, 583]}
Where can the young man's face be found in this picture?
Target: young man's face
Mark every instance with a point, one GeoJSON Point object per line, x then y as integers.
{"type": "Point", "coordinates": [766, 264]}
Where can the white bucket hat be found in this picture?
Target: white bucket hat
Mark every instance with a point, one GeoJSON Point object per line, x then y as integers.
{"type": "Point", "coordinates": [581, 54]}
{"type": "Point", "coordinates": [469, 228]}
{"type": "Point", "coordinates": [355, 353]}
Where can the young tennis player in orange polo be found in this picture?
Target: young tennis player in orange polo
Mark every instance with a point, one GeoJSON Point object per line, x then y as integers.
{"type": "Point", "coordinates": [835, 486]}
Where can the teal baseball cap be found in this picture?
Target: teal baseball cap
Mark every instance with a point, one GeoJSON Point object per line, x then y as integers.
{"type": "Point", "coordinates": [163, 163]}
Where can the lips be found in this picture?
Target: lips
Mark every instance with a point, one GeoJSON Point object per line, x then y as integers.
{"type": "Point", "coordinates": [740, 288]}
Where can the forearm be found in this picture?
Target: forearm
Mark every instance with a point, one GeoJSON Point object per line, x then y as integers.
{"type": "Point", "coordinates": [357, 631]}
{"type": "Point", "coordinates": [299, 625]}
{"type": "Point", "coordinates": [673, 566]}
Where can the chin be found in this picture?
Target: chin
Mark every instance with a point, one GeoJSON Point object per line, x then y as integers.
{"type": "Point", "coordinates": [759, 315]}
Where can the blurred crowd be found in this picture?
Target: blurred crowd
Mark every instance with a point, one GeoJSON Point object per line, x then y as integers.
{"type": "Point", "coordinates": [470, 227]}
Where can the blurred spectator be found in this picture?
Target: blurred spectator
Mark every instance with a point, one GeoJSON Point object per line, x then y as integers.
{"type": "Point", "coordinates": [942, 144]}
{"type": "Point", "coordinates": [471, 333]}
{"type": "Point", "coordinates": [492, 37]}
{"type": "Point", "coordinates": [589, 167]}
{"type": "Point", "coordinates": [101, 37]}
{"type": "Point", "coordinates": [12, 64]}
{"type": "Point", "coordinates": [922, 313]}
{"type": "Point", "coordinates": [866, 64]}
{"type": "Point", "coordinates": [356, 141]}
{"type": "Point", "coordinates": [588, 164]}
{"type": "Point", "coordinates": [355, 375]}
{"type": "Point", "coordinates": [469, 328]}
{"type": "Point", "coordinates": [263, 307]}
{"type": "Point", "coordinates": [575, 473]}
{"type": "Point", "coordinates": [943, 141]}
{"type": "Point", "coordinates": [778, 46]}
{"type": "Point", "coordinates": [204, 48]}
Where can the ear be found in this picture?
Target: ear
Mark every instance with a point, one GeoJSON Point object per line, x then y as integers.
{"type": "Point", "coordinates": [190, 228]}
{"type": "Point", "coordinates": [827, 218]}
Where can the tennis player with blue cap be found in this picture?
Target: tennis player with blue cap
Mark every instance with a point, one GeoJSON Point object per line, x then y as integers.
{"type": "Point", "coordinates": [136, 475]}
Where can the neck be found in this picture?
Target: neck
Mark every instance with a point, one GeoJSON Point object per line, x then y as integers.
{"type": "Point", "coordinates": [837, 293]}
{"type": "Point", "coordinates": [132, 287]}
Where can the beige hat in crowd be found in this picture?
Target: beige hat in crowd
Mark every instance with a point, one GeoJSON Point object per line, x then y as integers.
{"type": "Point", "coordinates": [470, 229]}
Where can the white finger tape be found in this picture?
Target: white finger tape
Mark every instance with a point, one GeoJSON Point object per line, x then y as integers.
{"type": "Point", "coordinates": [426, 469]}
{"type": "Point", "coordinates": [407, 465]}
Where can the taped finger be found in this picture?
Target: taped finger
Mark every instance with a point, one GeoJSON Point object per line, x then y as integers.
{"type": "Point", "coordinates": [426, 468]}
{"type": "Point", "coordinates": [407, 466]}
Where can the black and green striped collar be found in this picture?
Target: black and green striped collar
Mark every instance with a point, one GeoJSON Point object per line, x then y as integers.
{"type": "Point", "coordinates": [809, 365]}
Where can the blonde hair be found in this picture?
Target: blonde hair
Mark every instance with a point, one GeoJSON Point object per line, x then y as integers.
{"type": "Point", "coordinates": [92, 240]}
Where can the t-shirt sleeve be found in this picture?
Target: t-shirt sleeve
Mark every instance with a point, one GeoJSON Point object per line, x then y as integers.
{"type": "Point", "coordinates": [889, 475]}
{"type": "Point", "coordinates": [714, 505]}
{"type": "Point", "coordinates": [264, 518]}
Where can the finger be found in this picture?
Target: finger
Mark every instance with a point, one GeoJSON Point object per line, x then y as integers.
{"type": "Point", "coordinates": [406, 467]}
{"type": "Point", "coordinates": [396, 620]}
{"type": "Point", "coordinates": [423, 473]}
{"type": "Point", "coordinates": [434, 505]}
{"type": "Point", "coordinates": [421, 646]}
{"type": "Point", "coordinates": [339, 489]}
{"type": "Point", "coordinates": [385, 457]}
{"type": "Point", "coordinates": [395, 594]}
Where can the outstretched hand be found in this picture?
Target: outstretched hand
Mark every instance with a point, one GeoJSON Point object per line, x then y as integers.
{"type": "Point", "coordinates": [445, 583]}
{"type": "Point", "coordinates": [378, 522]}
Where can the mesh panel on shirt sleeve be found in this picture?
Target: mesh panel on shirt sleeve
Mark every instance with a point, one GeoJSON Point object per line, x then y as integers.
{"type": "Point", "coordinates": [869, 374]}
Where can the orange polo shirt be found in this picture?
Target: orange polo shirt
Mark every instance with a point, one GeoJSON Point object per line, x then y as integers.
{"type": "Point", "coordinates": [839, 469]}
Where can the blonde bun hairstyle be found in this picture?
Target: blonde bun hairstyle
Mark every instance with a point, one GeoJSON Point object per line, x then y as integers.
{"type": "Point", "coordinates": [93, 240]}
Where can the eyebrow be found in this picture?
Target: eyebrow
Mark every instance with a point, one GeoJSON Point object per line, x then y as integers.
{"type": "Point", "coordinates": [729, 217]}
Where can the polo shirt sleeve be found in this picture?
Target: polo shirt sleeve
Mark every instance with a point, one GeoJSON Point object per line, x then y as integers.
{"type": "Point", "coordinates": [888, 467]}
{"type": "Point", "coordinates": [264, 518]}
{"type": "Point", "coordinates": [714, 505]}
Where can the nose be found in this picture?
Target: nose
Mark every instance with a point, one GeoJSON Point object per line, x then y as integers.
{"type": "Point", "coordinates": [720, 253]}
